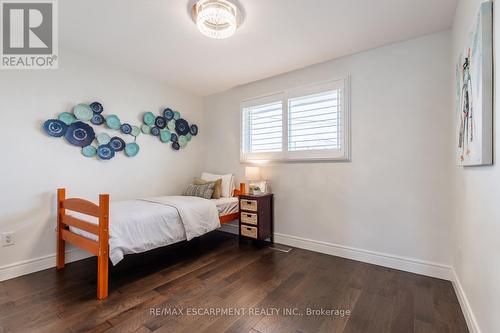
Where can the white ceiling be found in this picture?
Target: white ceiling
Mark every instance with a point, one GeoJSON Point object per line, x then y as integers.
{"type": "Point", "coordinates": [159, 39]}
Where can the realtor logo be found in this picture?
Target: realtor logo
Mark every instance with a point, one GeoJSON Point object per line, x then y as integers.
{"type": "Point", "coordinates": [29, 34]}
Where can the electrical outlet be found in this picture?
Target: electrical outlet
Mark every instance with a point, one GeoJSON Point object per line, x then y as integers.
{"type": "Point", "coordinates": [8, 239]}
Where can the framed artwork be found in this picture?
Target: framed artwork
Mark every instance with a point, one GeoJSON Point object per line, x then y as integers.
{"type": "Point", "coordinates": [475, 93]}
{"type": "Point", "coordinates": [260, 187]}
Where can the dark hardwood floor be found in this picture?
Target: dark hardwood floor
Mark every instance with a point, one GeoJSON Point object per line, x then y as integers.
{"type": "Point", "coordinates": [216, 272]}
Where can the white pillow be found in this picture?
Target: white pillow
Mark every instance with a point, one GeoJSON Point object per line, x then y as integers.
{"type": "Point", "coordinates": [227, 182]}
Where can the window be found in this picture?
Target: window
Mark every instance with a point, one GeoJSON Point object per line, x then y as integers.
{"type": "Point", "coordinates": [313, 121]}
{"type": "Point", "coordinates": [306, 123]}
{"type": "Point", "coordinates": [263, 127]}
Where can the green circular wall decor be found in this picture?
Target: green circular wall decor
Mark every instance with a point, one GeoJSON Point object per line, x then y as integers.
{"type": "Point", "coordinates": [182, 141]}
{"type": "Point", "coordinates": [171, 125]}
{"type": "Point", "coordinates": [131, 149]}
{"type": "Point", "coordinates": [146, 129]}
{"type": "Point", "coordinates": [67, 118]}
{"type": "Point", "coordinates": [103, 138]}
{"type": "Point", "coordinates": [113, 122]}
{"type": "Point", "coordinates": [89, 151]}
{"type": "Point", "coordinates": [83, 112]}
{"type": "Point", "coordinates": [149, 118]}
{"type": "Point", "coordinates": [136, 131]}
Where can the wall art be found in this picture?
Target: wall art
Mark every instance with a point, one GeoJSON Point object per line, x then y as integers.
{"type": "Point", "coordinates": [79, 129]}
{"type": "Point", "coordinates": [475, 93]}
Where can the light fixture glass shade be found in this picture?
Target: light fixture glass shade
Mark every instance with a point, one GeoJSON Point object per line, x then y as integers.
{"type": "Point", "coordinates": [252, 173]}
{"type": "Point", "coordinates": [216, 18]}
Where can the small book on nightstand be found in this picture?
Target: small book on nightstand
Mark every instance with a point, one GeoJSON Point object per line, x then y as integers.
{"type": "Point", "coordinates": [256, 216]}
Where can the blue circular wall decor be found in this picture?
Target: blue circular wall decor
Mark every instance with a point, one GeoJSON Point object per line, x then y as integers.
{"type": "Point", "coordinates": [168, 114]}
{"type": "Point", "coordinates": [160, 122]}
{"type": "Point", "coordinates": [174, 137]}
{"type": "Point", "coordinates": [97, 119]}
{"type": "Point", "coordinates": [193, 130]}
{"type": "Point", "coordinates": [181, 126]}
{"type": "Point", "coordinates": [117, 143]}
{"type": "Point", "coordinates": [96, 107]}
{"type": "Point", "coordinates": [126, 128]}
{"type": "Point", "coordinates": [155, 131]}
{"type": "Point", "coordinates": [55, 127]}
{"type": "Point", "coordinates": [80, 134]}
{"type": "Point", "coordinates": [105, 152]}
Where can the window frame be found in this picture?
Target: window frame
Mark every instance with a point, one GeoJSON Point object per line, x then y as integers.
{"type": "Point", "coordinates": [317, 155]}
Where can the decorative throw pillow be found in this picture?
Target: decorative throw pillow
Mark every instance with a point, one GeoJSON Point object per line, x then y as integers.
{"type": "Point", "coordinates": [217, 186]}
{"type": "Point", "coordinates": [227, 183]}
{"type": "Point", "coordinates": [202, 191]}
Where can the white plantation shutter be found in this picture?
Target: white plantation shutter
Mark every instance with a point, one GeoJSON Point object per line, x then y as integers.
{"type": "Point", "coordinates": [306, 123]}
{"type": "Point", "coordinates": [314, 121]}
{"type": "Point", "coordinates": [262, 128]}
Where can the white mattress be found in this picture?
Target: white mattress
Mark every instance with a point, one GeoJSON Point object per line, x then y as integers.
{"type": "Point", "coordinates": [226, 206]}
{"type": "Point", "coordinates": [138, 225]}
{"type": "Point", "coordinates": [146, 226]}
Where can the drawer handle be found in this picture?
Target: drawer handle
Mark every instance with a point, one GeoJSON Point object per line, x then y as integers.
{"type": "Point", "coordinates": [249, 215]}
{"type": "Point", "coordinates": [249, 202]}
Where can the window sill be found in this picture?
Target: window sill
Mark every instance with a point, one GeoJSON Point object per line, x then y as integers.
{"type": "Point", "coordinates": [295, 161]}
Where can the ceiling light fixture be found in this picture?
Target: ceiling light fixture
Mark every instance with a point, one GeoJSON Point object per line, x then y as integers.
{"type": "Point", "coordinates": [216, 18]}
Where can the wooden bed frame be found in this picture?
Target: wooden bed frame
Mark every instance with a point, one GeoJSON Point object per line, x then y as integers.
{"type": "Point", "coordinates": [99, 248]}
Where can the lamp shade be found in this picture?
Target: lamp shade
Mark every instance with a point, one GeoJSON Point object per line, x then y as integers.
{"type": "Point", "coordinates": [252, 173]}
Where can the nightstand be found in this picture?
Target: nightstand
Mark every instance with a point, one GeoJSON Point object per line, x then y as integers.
{"type": "Point", "coordinates": [256, 216]}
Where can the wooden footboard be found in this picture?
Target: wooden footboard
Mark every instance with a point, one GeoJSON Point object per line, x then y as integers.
{"type": "Point", "coordinates": [100, 248]}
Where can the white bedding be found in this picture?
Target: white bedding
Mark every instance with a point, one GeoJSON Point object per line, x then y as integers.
{"type": "Point", "coordinates": [137, 226]}
{"type": "Point", "coordinates": [226, 206]}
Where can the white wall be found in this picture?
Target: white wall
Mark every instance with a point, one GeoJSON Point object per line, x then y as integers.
{"type": "Point", "coordinates": [395, 195]}
{"type": "Point", "coordinates": [33, 165]}
{"type": "Point", "coordinates": [477, 219]}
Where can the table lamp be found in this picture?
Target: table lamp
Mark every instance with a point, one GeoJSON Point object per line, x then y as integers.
{"type": "Point", "coordinates": [252, 174]}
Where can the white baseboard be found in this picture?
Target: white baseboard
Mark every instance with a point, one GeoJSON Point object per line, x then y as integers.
{"type": "Point", "coordinates": [427, 268]}
{"type": "Point", "coordinates": [38, 264]}
{"type": "Point", "coordinates": [464, 304]}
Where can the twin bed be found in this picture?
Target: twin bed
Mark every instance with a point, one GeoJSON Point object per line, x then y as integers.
{"type": "Point", "coordinates": [136, 225]}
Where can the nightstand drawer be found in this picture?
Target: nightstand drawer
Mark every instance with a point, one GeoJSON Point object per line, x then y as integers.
{"type": "Point", "coordinates": [248, 231]}
{"type": "Point", "coordinates": [249, 218]}
{"type": "Point", "coordinates": [250, 205]}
